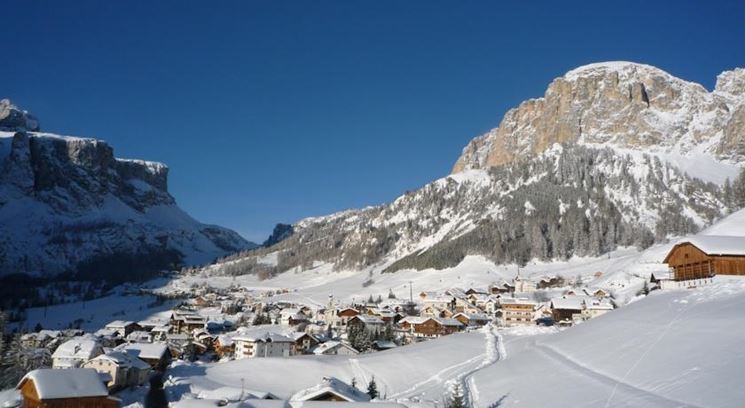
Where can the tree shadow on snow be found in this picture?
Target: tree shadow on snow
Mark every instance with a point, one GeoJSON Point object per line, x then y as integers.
{"type": "Point", "coordinates": [498, 403]}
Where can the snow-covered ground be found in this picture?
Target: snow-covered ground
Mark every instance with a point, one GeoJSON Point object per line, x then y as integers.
{"type": "Point", "coordinates": [670, 349]}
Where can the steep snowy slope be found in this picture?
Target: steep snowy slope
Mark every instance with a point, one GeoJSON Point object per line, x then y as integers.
{"type": "Point", "coordinates": [67, 204]}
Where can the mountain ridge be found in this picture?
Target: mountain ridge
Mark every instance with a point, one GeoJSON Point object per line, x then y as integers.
{"type": "Point", "coordinates": [67, 204]}
{"type": "Point", "coordinates": [625, 105]}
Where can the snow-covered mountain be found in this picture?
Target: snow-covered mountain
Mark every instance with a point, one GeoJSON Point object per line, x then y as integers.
{"type": "Point", "coordinates": [68, 205]}
{"type": "Point", "coordinates": [615, 154]}
{"type": "Point", "coordinates": [624, 105]}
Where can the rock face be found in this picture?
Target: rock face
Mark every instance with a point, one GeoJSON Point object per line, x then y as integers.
{"type": "Point", "coordinates": [12, 118]}
{"type": "Point", "coordinates": [67, 205]}
{"type": "Point", "coordinates": [621, 104]}
{"type": "Point", "coordinates": [615, 154]}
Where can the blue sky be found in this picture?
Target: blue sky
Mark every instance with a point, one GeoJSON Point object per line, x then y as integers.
{"type": "Point", "coordinates": [273, 111]}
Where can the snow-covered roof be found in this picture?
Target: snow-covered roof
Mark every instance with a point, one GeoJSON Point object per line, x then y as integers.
{"type": "Point", "coordinates": [414, 319]}
{"type": "Point", "coordinates": [235, 394]}
{"type": "Point", "coordinates": [568, 302]}
{"type": "Point", "coordinates": [123, 359]}
{"type": "Point", "coordinates": [265, 337]}
{"type": "Point", "coordinates": [70, 383]}
{"type": "Point", "coordinates": [449, 322]}
{"type": "Point", "coordinates": [333, 386]}
{"type": "Point", "coordinates": [83, 348]}
{"type": "Point", "coordinates": [717, 244]}
{"type": "Point", "coordinates": [598, 304]}
{"type": "Point", "coordinates": [149, 351]}
{"type": "Point", "coordinates": [119, 324]}
{"type": "Point", "coordinates": [326, 347]}
{"type": "Point", "coordinates": [516, 301]}
{"type": "Point", "coordinates": [368, 319]}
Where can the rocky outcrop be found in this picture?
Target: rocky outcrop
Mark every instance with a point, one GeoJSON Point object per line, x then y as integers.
{"type": "Point", "coordinates": [620, 104]}
{"type": "Point", "coordinates": [67, 204]}
{"type": "Point", "coordinates": [12, 118]}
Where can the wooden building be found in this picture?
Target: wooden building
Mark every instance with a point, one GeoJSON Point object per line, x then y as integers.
{"type": "Point", "coordinates": [704, 256]}
{"type": "Point", "coordinates": [71, 388]}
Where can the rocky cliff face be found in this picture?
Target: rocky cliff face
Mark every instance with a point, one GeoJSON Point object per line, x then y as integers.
{"type": "Point", "coordinates": [67, 204]}
{"type": "Point", "coordinates": [614, 154]}
{"type": "Point", "coordinates": [623, 105]}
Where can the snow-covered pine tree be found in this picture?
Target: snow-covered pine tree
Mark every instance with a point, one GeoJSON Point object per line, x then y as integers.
{"type": "Point", "coordinates": [372, 389]}
{"type": "Point", "coordinates": [456, 399]}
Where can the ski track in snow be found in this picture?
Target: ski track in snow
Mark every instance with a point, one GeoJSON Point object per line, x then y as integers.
{"type": "Point", "coordinates": [616, 384]}
{"type": "Point", "coordinates": [495, 351]}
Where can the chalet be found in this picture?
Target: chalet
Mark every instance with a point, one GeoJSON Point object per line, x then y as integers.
{"type": "Point", "coordinates": [501, 287]}
{"type": "Point", "coordinates": [334, 348]}
{"type": "Point", "coordinates": [76, 387]}
{"type": "Point", "coordinates": [331, 389]}
{"type": "Point", "coordinates": [123, 369]}
{"type": "Point", "coordinates": [594, 307]}
{"type": "Point", "coordinates": [302, 343]}
{"type": "Point", "coordinates": [266, 345]}
{"type": "Point", "coordinates": [464, 305]}
{"type": "Point", "coordinates": [475, 291]}
{"type": "Point", "coordinates": [345, 314]}
{"type": "Point", "coordinates": [382, 345]}
{"type": "Point", "coordinates": [123, 327]}
{"type": "Point", "coordinates": [373, 324]}
{"type": "Point", "coordinates": [472, 319]}
{"type": "Point", "coordinates": [440, 302]}
{"type": "Point", "coordinates": [597, 293]}
{"type": "Point", "coordinates": [74, 352]}
{"type": "Point", "coordinates": [184, 321]}
{"type": "Point", "coordinates": [224, 346]}
{"type": "Point", "coordinates": [39, 339]}
{"type": "Point", "coordinates": [515, 311]}
{"type": "Point", "coordinates": [550, 282]}
{"type": "Point", "coordinates": [429, 326]}
{"type": "Point", "coordinates": [523, 285]}
{"type": "Point", "coordinates": [703, 256]}
{"type": "Point", "coordinates": [292, 317]}
{"type": "Point", "coordinates": [140, 336]}
{"type": "Point", "coordinates": [567, 309]}
{"type": "Point", "coordinates": [156, 354]}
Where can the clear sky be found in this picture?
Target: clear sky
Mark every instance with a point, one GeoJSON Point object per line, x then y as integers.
{"type": "Point", "coordinates": [273, 111]}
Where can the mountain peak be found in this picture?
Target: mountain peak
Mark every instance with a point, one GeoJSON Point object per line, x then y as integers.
{"type": "Point", "coordinates": [621, 104]}
{"type": "Point", "coordinates": [14, 119]}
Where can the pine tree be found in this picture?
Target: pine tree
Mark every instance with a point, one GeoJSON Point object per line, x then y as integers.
{"type": "Point", "coordinates": [156, 395]}
{"type": "Point", "coordinates": [456, 400]}
{"type": "Point", "coordinates": [391, 295]}
{"type": "Point", "coordinates": [372, 389]}
{"type": "Point", "coordinates": [738, 190]}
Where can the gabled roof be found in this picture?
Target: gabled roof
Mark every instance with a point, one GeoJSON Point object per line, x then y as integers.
{"type": "Point", "coordinates": [267, 337]}
{"type": "Point", "coordinates": [323, 348]}
{"type": "Point", "coordinates": [516, 301]}
{"type": "Point", "coordinates": [568, 302]}
{"type": "Point", "coordinates": [83, 348]}
{"type": "Point", "coordinates": [148, 351]}
{"type": "Point", "coordinates": [714, 245]}
{"type": "Point", "coordinates": [70, 383]}
{"type": "Point", "coordinates": [331, 385]}
{"type": "Point", "coordinates": [123, 359]}
{"type": "Point", "coordinates": [368, 319]}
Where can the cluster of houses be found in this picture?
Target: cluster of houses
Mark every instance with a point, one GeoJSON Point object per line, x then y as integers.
{"type": "Point", "coordinates": [239, 324]}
